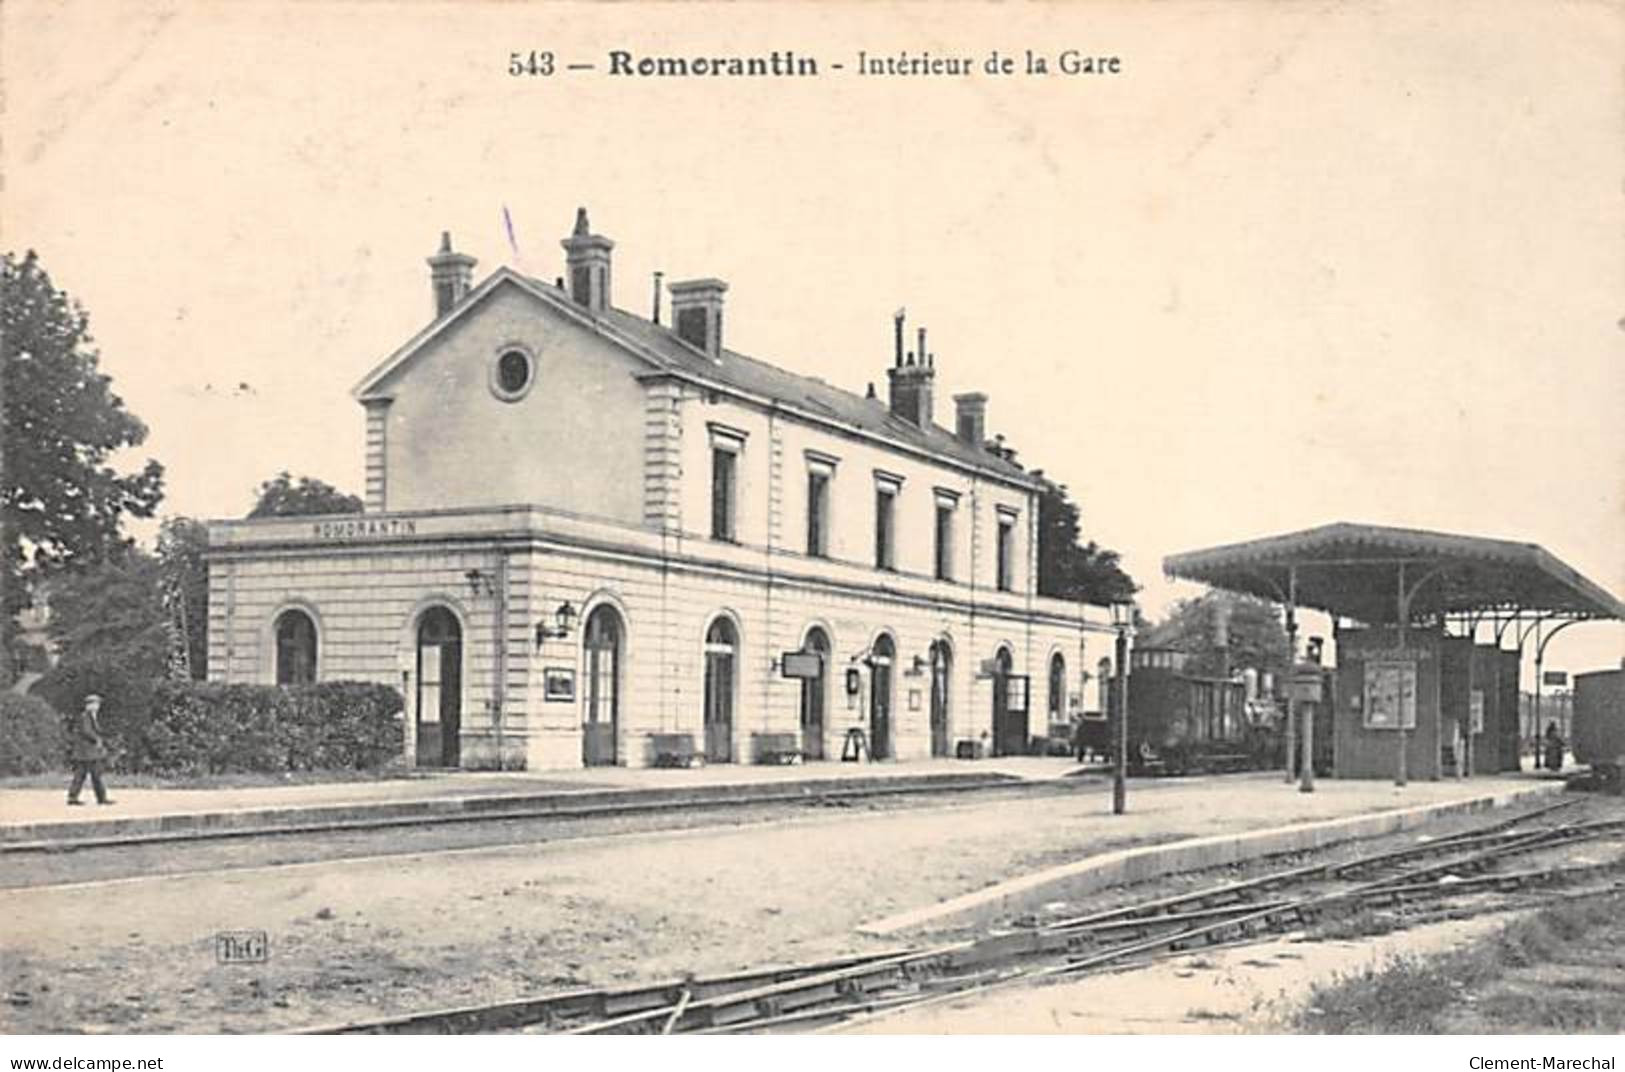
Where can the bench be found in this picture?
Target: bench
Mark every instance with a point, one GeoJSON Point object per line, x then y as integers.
{"type": "Point", "coordinates": [776, 748]}
{"type": "Point", "coordinates": [1225, 761]}
{"type": "Point", "coordinates": [674, 750]}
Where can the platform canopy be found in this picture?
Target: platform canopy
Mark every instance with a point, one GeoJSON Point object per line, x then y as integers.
{"type": "Point", "coordinates": [1359, 571]}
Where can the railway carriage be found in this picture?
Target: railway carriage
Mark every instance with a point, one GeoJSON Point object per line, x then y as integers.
{"type": "Point", "coordinates": [1599, 724]}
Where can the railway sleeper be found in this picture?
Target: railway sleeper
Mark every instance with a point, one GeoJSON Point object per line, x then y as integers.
{"type": "Point", "coordinates": [996, 948]}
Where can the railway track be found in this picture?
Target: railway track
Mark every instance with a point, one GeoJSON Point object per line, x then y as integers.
{"type": "Point", "coordinates": [821, 994]}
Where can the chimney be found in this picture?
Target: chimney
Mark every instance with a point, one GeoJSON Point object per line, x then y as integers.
{"type": "Point", "coordinates": [696, 313]}
{"type": "Point", "coordinates": [911, 379]}
{"type": "Point", "coordinates": [586, 265]}
{"type": "Point", "coordinates": [655, 316]}
{"type": "Point", "coordinates": [450, 273]}
{"type": "Point", "coordinates": [970, 418]}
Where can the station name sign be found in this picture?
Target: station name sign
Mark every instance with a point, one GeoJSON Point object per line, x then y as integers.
{"type": "Point", "coordinates": [1393, 655]}
{"type": "Point", "coordinates": [359, 528]}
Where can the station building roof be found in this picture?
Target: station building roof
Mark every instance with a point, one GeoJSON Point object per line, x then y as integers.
{"type": "Point", "coordinates": [1354, 571]}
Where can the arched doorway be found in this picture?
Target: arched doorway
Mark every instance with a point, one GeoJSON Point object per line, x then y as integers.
{"type": "Point", "coordinates": [1006, 723]}
{"type": "Point", "coordinates": [721, 658]}
{"type": "Point", "coordinates": [1057, 689]}
{"type": "Point", "coordinates": [601, 643]}
{"type": "Point", "coordinates": [815, 696]}
{"type": "Point", "coordinates": [941, 669]}
{"type": "Point", "coordinates": [881, 657]}
{"type": "Point", "coordinates": [440, 688]}
{"type": "Point", "coordinates": [295, 648]}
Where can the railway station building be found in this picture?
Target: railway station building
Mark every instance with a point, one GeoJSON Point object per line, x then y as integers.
{"type": "Point", "coordinates": [593, 537]}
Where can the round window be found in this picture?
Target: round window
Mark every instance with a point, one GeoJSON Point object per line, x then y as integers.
{"type": "Point", "coordinates": [512, 374]}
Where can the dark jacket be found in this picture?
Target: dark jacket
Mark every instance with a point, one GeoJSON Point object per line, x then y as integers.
{"type": "Point", "coordinates": [85, 742]}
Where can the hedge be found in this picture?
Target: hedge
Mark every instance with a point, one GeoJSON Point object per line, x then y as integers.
{"type": "Point", "coordinates": [194, 727]}
{"type": "Point", "coordinates": [201, 728]}
{"type": "Point", "coordinates": [31, 735]}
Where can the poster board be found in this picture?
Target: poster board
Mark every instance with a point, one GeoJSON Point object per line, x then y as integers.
{"type": "Point", "coordinates": [1390, 694]}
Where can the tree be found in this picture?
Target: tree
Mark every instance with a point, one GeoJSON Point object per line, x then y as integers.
{"type": "Point", "coordinates": [1251, 630]}
{"type": "Point", "coordinates": [1067, 569]}
{"type": "Point", "coordinates": [61, 501]}
{"type": "Point", "coordinates": [113, 613]}
{"type": "Point", "coordinates": [182, 544]}
{"type": "Point", "coordinates": [282, 497]}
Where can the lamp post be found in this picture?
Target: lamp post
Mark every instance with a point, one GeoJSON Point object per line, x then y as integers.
{"type": "Point", "coordinates": [1122, 620]}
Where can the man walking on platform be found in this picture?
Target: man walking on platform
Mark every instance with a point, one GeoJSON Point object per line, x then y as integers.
{"type": "Point", "coordinates": [87, 752]}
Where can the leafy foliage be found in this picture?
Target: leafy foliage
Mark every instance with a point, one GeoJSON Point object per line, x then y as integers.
{"type": "Point", "coordinates": [112, 613]}
{"type": "Point", "coordinates": [126, 690]}
{"type": "Point", "coordinates": [194, 727]}
{"type": "Point", "coordinates": [182, 544]}
{"type": "Point", "coordinates": [284, 497]}
{"type": "Point", "coordinates": [1252, 628]}
{"type": "Point", "coordinates": [31, 735]}
{"type": "Point", "coordinates": [202, 728]}
{"type": "Point", "coordinates": [62, 501]}
{"type": "Point", "coordinates": [1068, 569]}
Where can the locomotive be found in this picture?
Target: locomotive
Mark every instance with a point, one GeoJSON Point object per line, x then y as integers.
{"type": "Point", "coordinates": [1180, 721]}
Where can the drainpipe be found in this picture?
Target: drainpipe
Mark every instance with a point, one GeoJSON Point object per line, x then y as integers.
{"type": "Point", "coordinates": [500, 634]}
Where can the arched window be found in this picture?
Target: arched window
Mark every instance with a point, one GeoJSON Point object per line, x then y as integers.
{"type": "Point", "coordinates": [295, 648]}
{"type": "Point", "coordinates": [1057, 688]}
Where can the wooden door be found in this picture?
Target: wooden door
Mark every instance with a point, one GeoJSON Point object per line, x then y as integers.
{"type": "Point", "coordinates": [601, 697]}
{"type": "Point", "coordinates": [1002, 718]}
{"type": "Point", "coordinates": [880, 698]}
{"type": "Point", "coordinates": [440, 691]}
{"type": "Point", "coordinates": [721, 646]}
{"type": "Point", "coordinates": [941, 662]}
{"type": "Point", "coordinates": [814, 697]}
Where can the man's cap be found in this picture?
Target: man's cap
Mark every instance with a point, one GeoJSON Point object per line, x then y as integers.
{"type": "Point", "coordinates": [89, 696]}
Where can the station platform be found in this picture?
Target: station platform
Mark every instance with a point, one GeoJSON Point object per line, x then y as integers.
{"type": "Point", "coordinates": [35, 818]}
{"type": "Point", "coordinates": [28, 814]}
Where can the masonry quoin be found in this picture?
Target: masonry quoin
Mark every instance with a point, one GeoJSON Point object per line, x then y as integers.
{"type": "Point", "coordinates": [1541, 1064]}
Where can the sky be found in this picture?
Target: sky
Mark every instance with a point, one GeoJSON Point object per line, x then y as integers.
{"type": "Point", "coordinates": [1293, 264]}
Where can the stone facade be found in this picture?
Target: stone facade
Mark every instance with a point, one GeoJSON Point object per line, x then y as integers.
{"type": "Point", "coordinates": [539, 571]}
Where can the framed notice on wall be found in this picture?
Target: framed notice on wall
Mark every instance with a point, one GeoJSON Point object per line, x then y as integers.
{"type": "Point", "coordinates": [1476, 711]}
{"type": "Point", "coordinates": [558, 685]}
{"type": "Point", "coordinates": [1390, 695]}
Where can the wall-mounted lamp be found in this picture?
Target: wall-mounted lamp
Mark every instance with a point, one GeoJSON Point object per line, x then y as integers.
{"type": "Point", "coordinates": [563, 619]}
{"type": "Point", "coordinates": [919, 666]}
{"type": "Point", "coordinates": [480, 583]}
